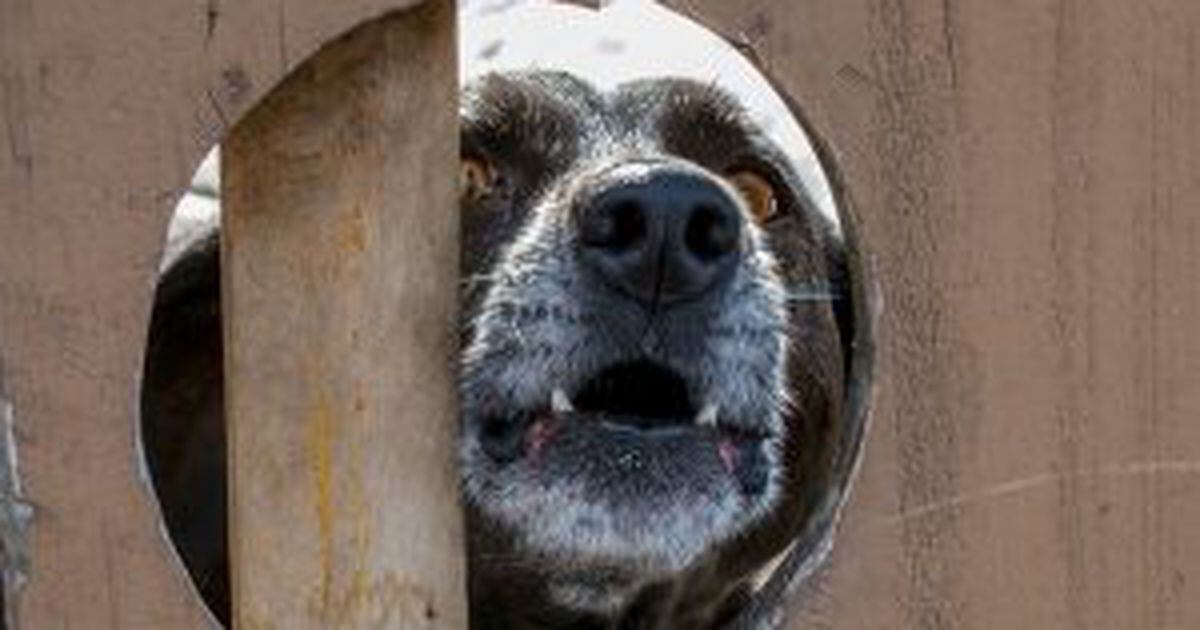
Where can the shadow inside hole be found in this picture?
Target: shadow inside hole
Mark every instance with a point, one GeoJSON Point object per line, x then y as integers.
{"type": "Point", "coordinates": [183, 403]}
{"type": "Point", "coordinates": [182, 407]}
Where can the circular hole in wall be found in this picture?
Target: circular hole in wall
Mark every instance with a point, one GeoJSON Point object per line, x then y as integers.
{"type": "Point", "coordinates": [780, 172]}
{"type": "Point", "coordinates": [182, 405]}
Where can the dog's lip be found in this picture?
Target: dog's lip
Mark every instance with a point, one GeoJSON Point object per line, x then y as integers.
{"type": "Point", "coordinates": [719, 426]}
{"type": "Point", "coordinates": [539, 437]}
{"type": "Point", "coordinates": [562, 407]}
{"type": "Point", "coordinates": [708, 421]}
{"type": "Point", "coordinates": [641, 400]}
{"type": "Point", "coordinates": [522, 434]}
{"type": "Point", "coordinates": [647, 396]}
{"type": "Point", "coordinates": [650, 427]}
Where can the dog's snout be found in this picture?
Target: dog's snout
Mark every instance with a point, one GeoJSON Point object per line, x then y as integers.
{"type": "Point", "coordinates": [660, 236]}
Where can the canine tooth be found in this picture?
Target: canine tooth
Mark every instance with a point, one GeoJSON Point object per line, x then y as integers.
{"type": "Point", "coordinates": [707, 415]}
{"type": "Point", "coordinates": [559, 401]}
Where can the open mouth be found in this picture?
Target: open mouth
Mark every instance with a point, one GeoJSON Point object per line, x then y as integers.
{"type": "Point", "coordinates": [639, 394]}
{"type": "Point", "coordinates": [642, 407]}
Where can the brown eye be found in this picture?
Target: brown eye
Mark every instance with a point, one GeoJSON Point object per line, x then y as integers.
{"type": "Point", "coordinates": [758, 194]}
{"type": "Point", "coordinates": [476, 178]}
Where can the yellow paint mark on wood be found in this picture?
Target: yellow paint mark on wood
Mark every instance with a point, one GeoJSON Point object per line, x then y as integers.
{"type": "Point", "coordinates": [321, 436]}
{"type": "Point", "coordinates": [349, 593]}
{"type": "Point", "coordinates": [379, 601]}
{"type": "Point", "coordinates": [250, 622]}
{"type": "Point", "coordinates": [350, 234]}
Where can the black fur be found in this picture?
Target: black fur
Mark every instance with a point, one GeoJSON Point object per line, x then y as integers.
{"type": "Point", "coordinates": [613, 524]}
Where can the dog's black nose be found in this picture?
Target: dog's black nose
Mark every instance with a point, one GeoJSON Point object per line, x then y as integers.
{"type": "Point", "coordinates": [660, 235]}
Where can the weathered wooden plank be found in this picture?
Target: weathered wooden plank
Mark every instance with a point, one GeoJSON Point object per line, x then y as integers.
{"type": "Point", "coordinates": [340, 286]}
{"type": "Point", "coordinates": [1024, 176]}
{"type": "Point", "coordinates": [104, 114]}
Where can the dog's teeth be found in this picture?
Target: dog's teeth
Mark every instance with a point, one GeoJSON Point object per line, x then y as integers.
{"type": "Point", "coordinates": [708, 415]}
{"type": "Point", "coordinates": [559, 402]}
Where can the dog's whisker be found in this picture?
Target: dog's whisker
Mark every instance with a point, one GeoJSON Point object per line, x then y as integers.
{"type": "Point", "coordinates": [813, 297]}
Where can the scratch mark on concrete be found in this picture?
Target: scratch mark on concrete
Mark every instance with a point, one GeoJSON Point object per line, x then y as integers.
{"type": "Point", "coordinates": [1017, 486]}
{"type": "Point", "coordinates": [212, 13]}
{"type": "Point", "coordinates": [216, 107]}
{"type": "Point", "coordinates": [856, 76]}
{"type": "Point", "coordinates": [950, 39]}
{"type": "Point", "coordinates": [112, 580]}
{"type": "Point", "coordinates": [16, 120]}
{"type": "Point", "coordinates": [281, 21]}
{"type": "Point", "coordinates": [16, 68]}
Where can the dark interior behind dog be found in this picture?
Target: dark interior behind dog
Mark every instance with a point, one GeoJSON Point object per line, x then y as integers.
{"type": "Point", "coordinates": [655, 347]}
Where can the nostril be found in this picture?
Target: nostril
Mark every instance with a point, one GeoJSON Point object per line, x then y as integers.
{"type": "Point", "coordinates": [660, 235]}
{"type": "Point", "coordinates": [710, 233]}
{"type": "Point", "coordinates": [629, 224]}
{"type": "Point", "coordinates": [616, 226]}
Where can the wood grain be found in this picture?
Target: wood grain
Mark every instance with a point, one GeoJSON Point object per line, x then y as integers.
{"type": "Point", "coordinates": [104, 114]}
{"type": "Point", "coordinates": [1024, 179]}
{"type": "Point", "coordinates": [1024, 176]}
{"type": "Point", "coordinates": [340, 286]}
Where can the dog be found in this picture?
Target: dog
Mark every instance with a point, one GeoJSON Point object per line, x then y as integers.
{"type": "Point", "coordinates": [656, 342]}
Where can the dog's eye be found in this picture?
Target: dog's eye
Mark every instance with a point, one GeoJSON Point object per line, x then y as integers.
{"type": "Point", "coordinates": [476, 178]}
{"type": "Point", "coordinates": [758, 193]}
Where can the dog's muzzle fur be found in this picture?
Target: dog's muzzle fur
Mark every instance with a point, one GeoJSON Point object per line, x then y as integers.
{"type": "Point", "coordinates": [652, 371]}
{"type": "Point", "coordinates": [636, 376]}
